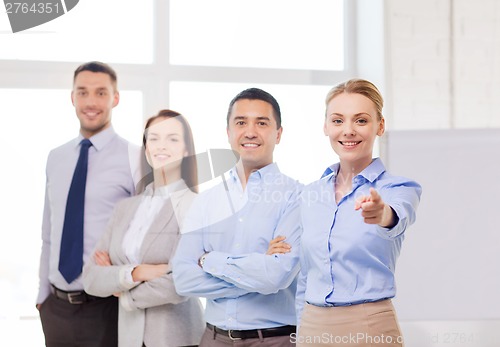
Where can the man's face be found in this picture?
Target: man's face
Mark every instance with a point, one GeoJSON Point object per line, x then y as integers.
{"type": "Point", "coordinates": [252, 132]}
{"type": "Point", "coordinates": [93, 96]}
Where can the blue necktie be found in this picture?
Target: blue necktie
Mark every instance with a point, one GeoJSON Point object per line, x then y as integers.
{"type": "Point", "coordinates": [71, 255]}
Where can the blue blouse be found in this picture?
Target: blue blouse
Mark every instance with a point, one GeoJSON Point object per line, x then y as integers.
{"type": "Point", "coordinates": [345, 261]}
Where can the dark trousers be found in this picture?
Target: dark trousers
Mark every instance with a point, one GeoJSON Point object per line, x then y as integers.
{"type": "Point", "coordinates": [91, 324]}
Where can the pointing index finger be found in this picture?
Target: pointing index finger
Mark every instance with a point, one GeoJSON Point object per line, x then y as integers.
{"type": "Point", "coordinates": [374, 195]}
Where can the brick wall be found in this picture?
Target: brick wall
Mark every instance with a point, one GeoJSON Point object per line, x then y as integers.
{"type": "Point", "coordinates": [443, 61]}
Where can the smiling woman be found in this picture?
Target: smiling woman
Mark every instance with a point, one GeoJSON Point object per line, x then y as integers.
{"type": "Point", "coordinates": [165, 145]}
{"type": "Point", "coordinates": [352, 123]}
{"type": "Point", "coordinates": [132, 258]}
{"type": "Point", "coordinates": [360, 229]}
{"type": "Point", "coordinates": [170, 150]}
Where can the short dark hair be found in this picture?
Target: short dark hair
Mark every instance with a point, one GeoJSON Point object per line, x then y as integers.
{"type": "Point", "coordinates": [97, 66]}
{"type": "Point", "coordinates": [257, 94]}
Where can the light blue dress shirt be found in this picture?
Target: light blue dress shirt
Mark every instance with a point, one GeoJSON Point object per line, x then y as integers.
{"type": "Point", "coordinates": [343, 260]}
{"type": "Point", "coordinates": [244, 287]}
{"type": "Point", "coordinates": [114, 169]}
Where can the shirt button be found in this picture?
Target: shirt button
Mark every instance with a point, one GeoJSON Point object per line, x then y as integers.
{"type": "Point", "coordinates": [240, 220]}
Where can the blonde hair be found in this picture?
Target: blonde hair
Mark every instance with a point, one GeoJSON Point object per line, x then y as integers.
{"type": "Point", "coordinates": [358, 86]}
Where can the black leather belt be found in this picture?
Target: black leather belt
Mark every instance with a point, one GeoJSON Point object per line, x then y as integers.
{"type": "Point", "coordinates": [75, 297]}
{"type": "Point", "coordinates": [253, 334]}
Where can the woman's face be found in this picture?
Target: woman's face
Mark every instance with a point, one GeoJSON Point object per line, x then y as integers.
{"type": "Point", "coordinates": [165, 145]}
{"type": "Point", "coordinates": [352, 125]}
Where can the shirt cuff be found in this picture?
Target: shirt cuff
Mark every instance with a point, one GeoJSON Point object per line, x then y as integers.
{"type": "Point", "coordinates": [126, 280]}
{"type": "Point", "coordinates": [215, 263]}
{"type": "Point", "coordinates": [126, 301]}
{"type": "Point", "coordinates": [396, 230]}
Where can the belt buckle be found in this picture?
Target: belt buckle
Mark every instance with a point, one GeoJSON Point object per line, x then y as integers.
{"type": "Point", "coordinates": [73, 298]}
{"type": "Point", "coordinates": [229, 333]}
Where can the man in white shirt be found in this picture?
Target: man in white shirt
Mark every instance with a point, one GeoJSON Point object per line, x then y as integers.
{"type": "Point", "coordinates": [69, 316]}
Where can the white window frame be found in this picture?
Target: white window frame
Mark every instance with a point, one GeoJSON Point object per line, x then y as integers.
{"type": "Point", "coordinates": [154, 79]}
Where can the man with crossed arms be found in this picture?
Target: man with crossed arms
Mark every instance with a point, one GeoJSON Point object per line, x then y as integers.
{"type": "Point", "coordinates": [233, 249]}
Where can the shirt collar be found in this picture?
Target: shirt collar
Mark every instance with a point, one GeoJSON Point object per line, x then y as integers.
{"type": "Point", "coordinates": [101, 139]}
{"type": "Point", "coordinates": [370, 173]}
{"type": "Point", "coordinates": [165, 191]}
{"type": "Point", "coordinates": [270, 169]}
{"type": "Point", "coordinates": [330, 171]}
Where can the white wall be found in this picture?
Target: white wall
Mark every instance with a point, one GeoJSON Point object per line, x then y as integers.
{"type": "Point", "coordinates": [443, 72]}
{"type": "Point", "coordinates": [443, 63]}
{"type": "Point", "coordinates": [418, 63]}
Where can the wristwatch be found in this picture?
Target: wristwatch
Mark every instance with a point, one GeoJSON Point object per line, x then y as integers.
{"type": "Point", "coordinates": [201, 261]}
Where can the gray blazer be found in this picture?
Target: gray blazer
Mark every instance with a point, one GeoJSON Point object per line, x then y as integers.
{"type": "Point", "coordinates": [152, 312]}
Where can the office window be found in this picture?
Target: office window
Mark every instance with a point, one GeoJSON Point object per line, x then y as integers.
{"type": "Point", "coordinates": [110, 31]}
{"type": "Point", "coordinates": [280, 34]}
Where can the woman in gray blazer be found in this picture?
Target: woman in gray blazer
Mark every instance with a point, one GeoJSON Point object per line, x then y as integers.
{"type": "Point", "coordinates": [132, 260]}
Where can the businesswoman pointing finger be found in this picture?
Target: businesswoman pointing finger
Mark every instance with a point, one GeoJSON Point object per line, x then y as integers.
{"type": "Point", "coordinates": [354, 219]}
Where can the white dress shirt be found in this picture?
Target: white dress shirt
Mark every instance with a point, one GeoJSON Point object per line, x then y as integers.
{"type": "Point", "coordinates": [152, 202]}
{"type": "Point", "coordinates": [113, 172]}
